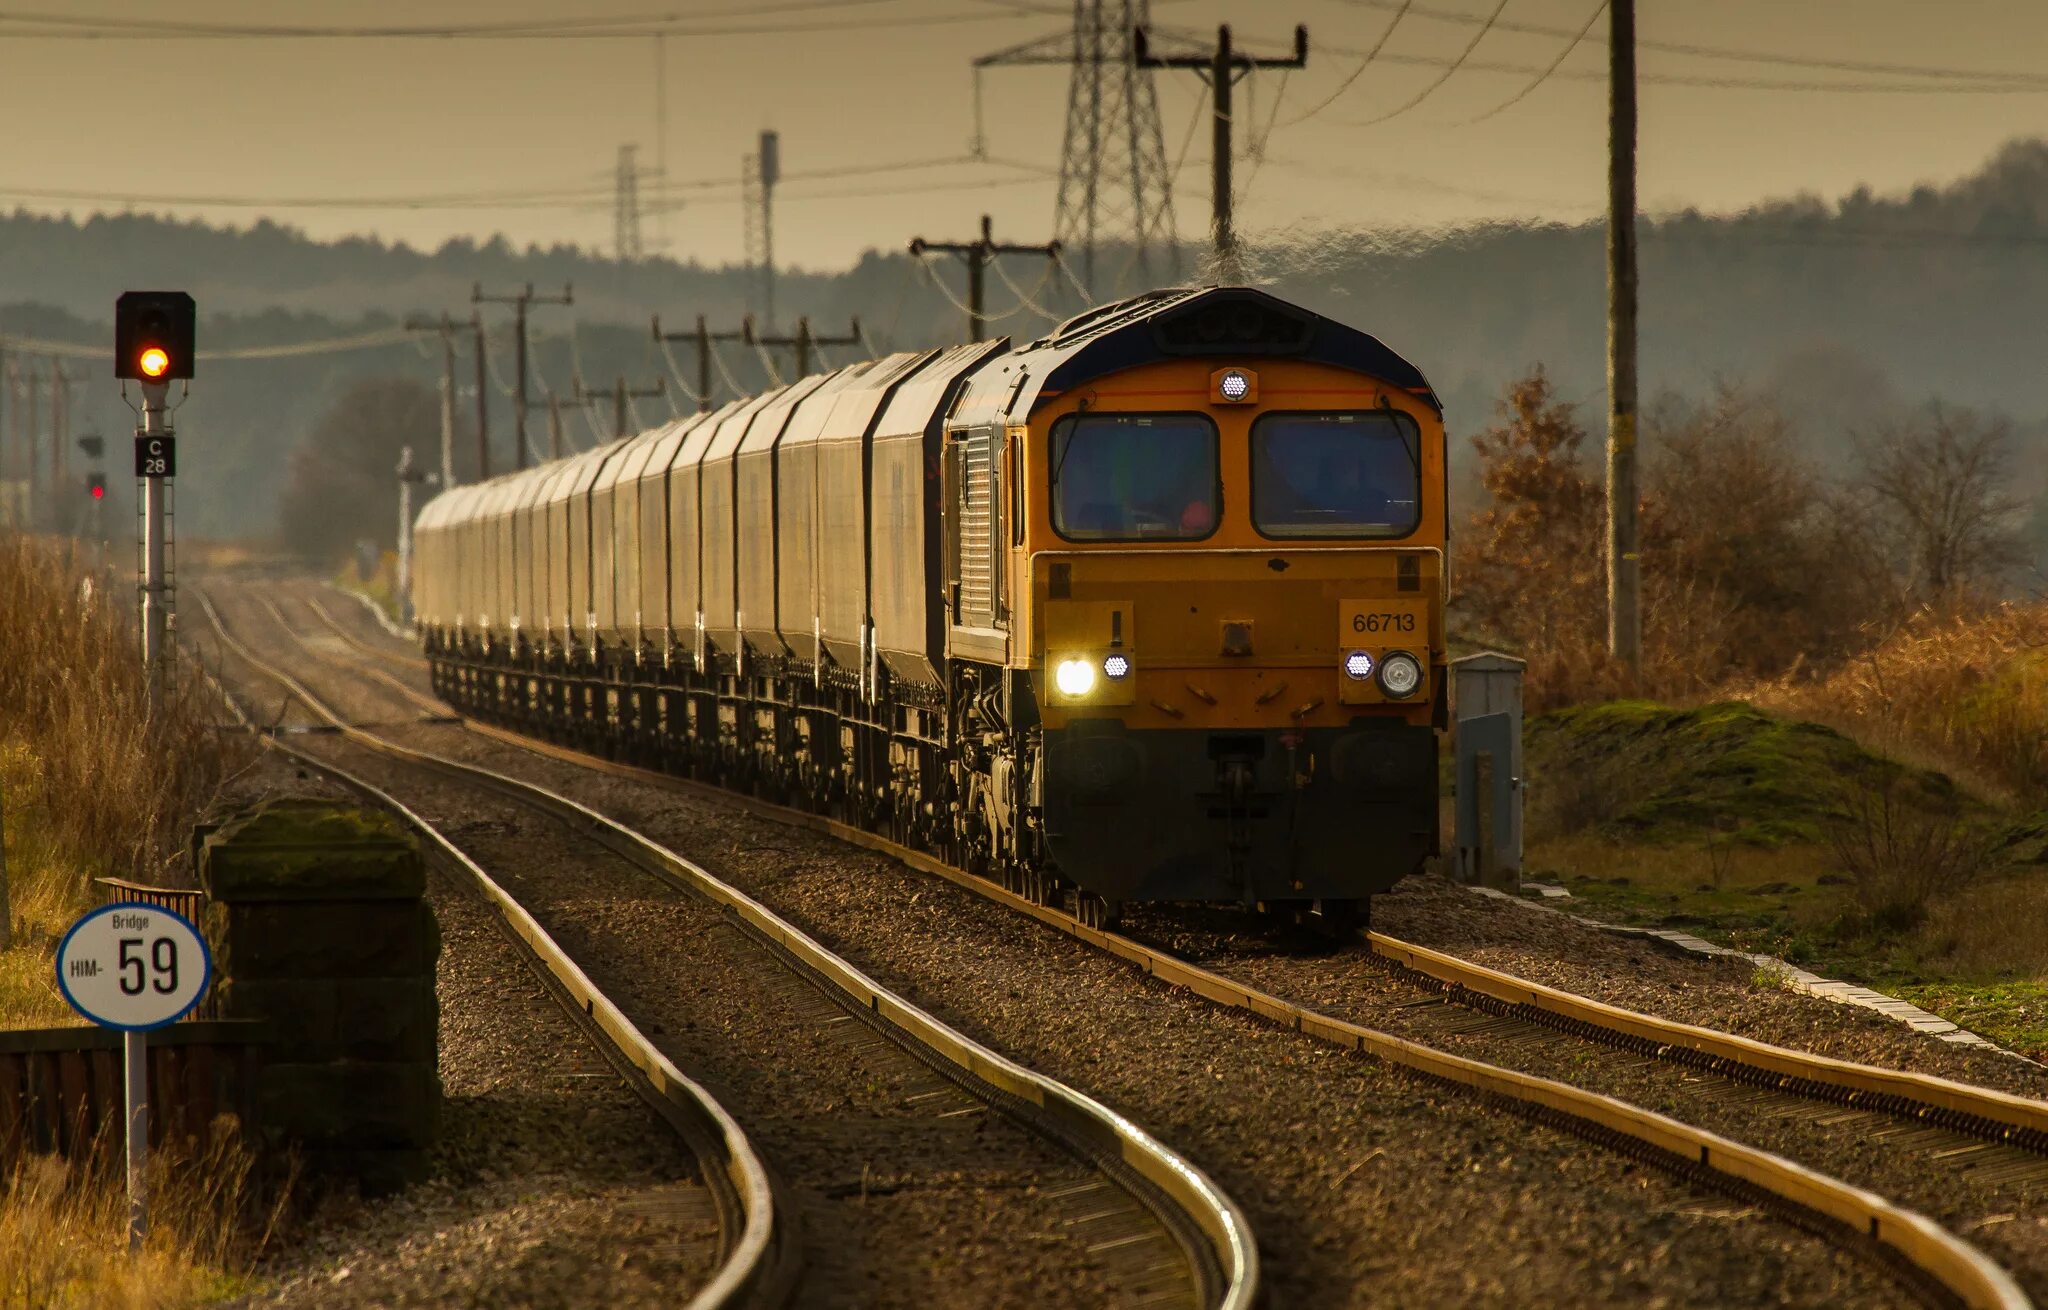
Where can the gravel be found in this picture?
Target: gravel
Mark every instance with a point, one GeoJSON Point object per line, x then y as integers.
{"type": "Point", "coordinates": [552, 1184]}
{"type": "Point", "coordinates": [1365, 1184]}
{"type": "Point", "coordinates": [908, 1191]}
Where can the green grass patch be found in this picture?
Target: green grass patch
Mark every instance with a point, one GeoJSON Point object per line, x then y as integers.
{"type": "Point", "coordinates": [1657, 775]}
{"type": "Point", "coordinates": [2013, 1014]}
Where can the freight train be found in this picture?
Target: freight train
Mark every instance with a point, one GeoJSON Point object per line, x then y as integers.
{"type": "Point", "coordinates": [1148, 609]}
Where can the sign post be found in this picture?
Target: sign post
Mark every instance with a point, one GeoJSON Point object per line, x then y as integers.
{"type": "Point", "coordinates": [134, 967]}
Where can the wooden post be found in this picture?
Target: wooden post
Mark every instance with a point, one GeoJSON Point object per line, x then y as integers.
{"type": "Point", "coordinates": [1624, 563]}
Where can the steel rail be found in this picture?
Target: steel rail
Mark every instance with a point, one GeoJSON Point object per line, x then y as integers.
{"type": "Point", "coordinates": [1961, 1107]}
{"type": "Point", "coordinates": [759, 1262]}
{"type": "Point", "coordinates": [1955, 1266]}
{"type": "Point", "coordinates": [1977, 1111]}
{"type": "Point", "coordinates": [1087, 1124]}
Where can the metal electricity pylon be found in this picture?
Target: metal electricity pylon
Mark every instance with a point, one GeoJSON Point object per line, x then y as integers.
{"type": "Point", "coordinates": [1115, 184]}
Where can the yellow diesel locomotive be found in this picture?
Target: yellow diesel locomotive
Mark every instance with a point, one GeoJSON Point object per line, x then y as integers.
{"type": "Point", "coordinates": [1149, 609]}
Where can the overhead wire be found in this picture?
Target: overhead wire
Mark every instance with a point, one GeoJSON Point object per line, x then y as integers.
{"type": "Point", "coordinates": [43, 26]}
{"type": "Point", "coordinates": [1027, 299]}
{"type": "Point", "coordinates": [677, 373]}
{"type": "Point", "coordinates": [1448, 72]}
{"type": "Point", "coordinates": [767, 364]}
{"type": "Point", "coordinates": [381, 337]}
{"type": "Point", "coordinates": [1728, 53]}
{"type": "Point", "coordinates": [731, 383]}
{"type": "Point", "coordinates": [1577, 39]}
{"type": "Point", "coordinates": [1356, 73]}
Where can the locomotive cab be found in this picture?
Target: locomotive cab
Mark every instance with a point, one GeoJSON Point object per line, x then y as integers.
{"type": "Point", "coordinates": [1215, 545]}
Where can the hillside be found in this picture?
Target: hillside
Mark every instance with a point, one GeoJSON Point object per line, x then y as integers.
{"type": "Point", "coordinates": [1845, 310]}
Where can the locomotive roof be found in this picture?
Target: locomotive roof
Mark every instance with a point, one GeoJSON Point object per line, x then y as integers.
{"type": "Point", "coordinates": [1225, 323]}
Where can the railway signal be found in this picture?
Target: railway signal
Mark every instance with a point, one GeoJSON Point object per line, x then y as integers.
{"type": "Point", "coordinates": [96, 485]}
{"type": "Point", "coordinates": [154, 335]}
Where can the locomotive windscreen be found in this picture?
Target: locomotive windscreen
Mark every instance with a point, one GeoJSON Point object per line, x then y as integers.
{"type": "Point", "coordinates": [1127, 477]}
{"type": "Point", "coordinates": [1336, 475]}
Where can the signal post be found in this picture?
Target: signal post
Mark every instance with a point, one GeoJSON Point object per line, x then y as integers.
{"type": "Point", "coordinates": [153, 335]}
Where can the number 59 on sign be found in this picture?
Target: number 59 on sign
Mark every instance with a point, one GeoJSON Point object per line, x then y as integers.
{"type": "Point", "coordinates": [133, 966]}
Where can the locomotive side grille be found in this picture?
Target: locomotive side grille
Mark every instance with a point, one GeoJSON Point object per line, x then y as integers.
{"type": "Point", "coordinates": [977, 530]}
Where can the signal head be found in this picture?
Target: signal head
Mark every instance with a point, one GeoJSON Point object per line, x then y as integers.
{"type": "Point", "coordinates": [96, 485]}
{"type": "Point", "coordinates": [153, 334]}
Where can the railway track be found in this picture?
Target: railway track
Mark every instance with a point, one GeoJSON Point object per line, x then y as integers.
{"type": "Point", "coordinates": [1116, 1205]}
{"type": "Point", "coordinates": [1997, 1137]}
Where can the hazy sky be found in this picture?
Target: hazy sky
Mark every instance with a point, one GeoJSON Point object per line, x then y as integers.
{"type": "Point", "coordinates": [873, 82]}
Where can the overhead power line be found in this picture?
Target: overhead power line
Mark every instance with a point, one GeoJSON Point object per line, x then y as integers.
{"type": "Point", "coordinates": [1728, 52]}
{"type": "Point", "coordinates": [1448, 72]}
{"type": "Point", "coordinates": [1356, 73]}
{"type": "Point", "coordinates": [1544, 76]}
{"type": "Point", "coordinates": [324, 346]}
{"type": "Point", "coordinates": [565, 197]}
{"type": "Point", "coordinates": [17, 24]}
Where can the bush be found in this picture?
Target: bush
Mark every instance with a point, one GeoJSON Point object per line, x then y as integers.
{"type": "Point", "coordinates": [1901, 848]}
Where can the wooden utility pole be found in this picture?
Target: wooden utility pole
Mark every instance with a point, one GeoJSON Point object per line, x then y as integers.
{"type": "Point", "coordinates": [620, 394]}
{"type": "Point", "coordinates": [446, 327]}
{"type": "Point", "coordinates": [520, 302]}
{"type": "Point", "coordinates": [978, 253]}
{"type": "Point", "coordinates": [60, 458]}
{"type": "Point", "coordinates": [28, 448]}
{"type": "Point", "coordinates": [803, 340]}
{"type": "Point", "coordinates": [702, 338]}
{"type": "Point", "coordinates": [483, 409]}
{"type": "Point", "coordinates": [1624, 562]}
{"type": "Point", "coordinates": [1221, 70]}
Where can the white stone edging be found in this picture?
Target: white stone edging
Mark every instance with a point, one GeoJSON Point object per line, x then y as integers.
{"type": "Point", "coordinates": [1790, 975]}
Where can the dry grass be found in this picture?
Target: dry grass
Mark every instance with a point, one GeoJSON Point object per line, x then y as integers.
{"type": "Point", "coordinates": [111, 785]}
{"type": "Point", "coordinates": [91, 785]}
{"type": "Point", "coordinates": [63, 1230]}
{"type": "Point", "coordinates": [1968, 690]}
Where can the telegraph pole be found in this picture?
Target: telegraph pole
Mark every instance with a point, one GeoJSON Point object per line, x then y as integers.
{"type": "Point", "coordinates": [978, 253]}
{"type": "Point", "coordinates": [1221, 71]}
{"type": "Point", "coordinates": [446, 327]}
{"type": "Point", "coordinates": [483, 408]}
{"type": "Point", "coordinates": [803, 340]}
{"type": "Point", "coordinates": [520, 303]}
{"type": "Point", "coordinates": [702, 338]}
{"type": "Point", "coordinates": [621, 394]}
{"type": "Point", "coordinates": [60, 453]}
{"type": "Point", "coordinates": [29, 453]}
{"type": "Point", "coordinates": [1624, 561]}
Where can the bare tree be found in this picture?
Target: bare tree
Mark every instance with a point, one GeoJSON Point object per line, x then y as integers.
{"type": "Point", "coordinates": [1944, 477]}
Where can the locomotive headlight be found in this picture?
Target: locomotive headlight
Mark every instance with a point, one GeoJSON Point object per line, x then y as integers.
{"type": "Point", "coordinates": [1234, 385]}
{"type": "Point", "coordinates": [1400, 674]}
{"type": "Point", "coordinates": [1074, 676]}
{"type": "Point", "coordinates": [1358, 665]}
{"type": "Point", "coordinates": [1116, 667]}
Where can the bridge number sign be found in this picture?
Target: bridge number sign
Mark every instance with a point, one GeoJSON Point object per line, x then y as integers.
{"type": "Point", "coordinates": [133, 966]}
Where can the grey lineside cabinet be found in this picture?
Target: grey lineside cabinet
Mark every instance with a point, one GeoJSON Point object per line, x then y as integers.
{"type": "Point", "coordinates": [1486, 702]}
